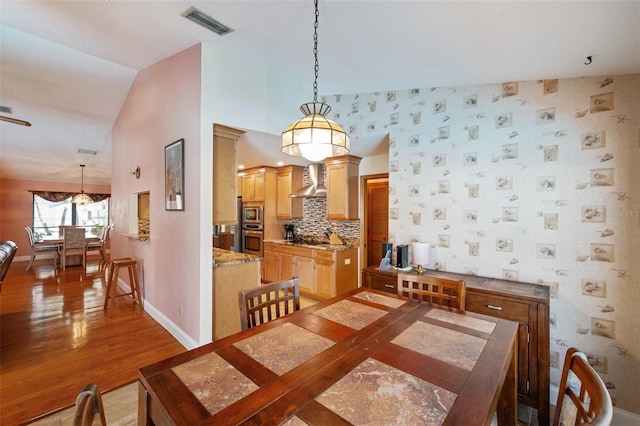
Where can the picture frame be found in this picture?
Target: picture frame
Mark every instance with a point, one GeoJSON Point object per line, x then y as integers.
{"type": "Point", "coordinates": [174, 176]}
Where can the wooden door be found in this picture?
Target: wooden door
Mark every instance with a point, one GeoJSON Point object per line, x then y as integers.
{"type": "Point", "coordinates": [377, 210]}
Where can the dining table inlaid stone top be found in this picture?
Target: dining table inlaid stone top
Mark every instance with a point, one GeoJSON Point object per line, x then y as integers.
{"type": "Point", "coordinates": [465, 321]}
{"type": "Point", "coordinates": [450, 346]}
{"type": "Point", "coordinates": [391, 302]}
{"type": "Point", "coordinates": [215, 382]}
{"type": "Point", "coordinates": [352, 314]}
{"type": "Point", "coordinates": [375, 393]}
{"type": "Point", "coordinates": [283, 348]}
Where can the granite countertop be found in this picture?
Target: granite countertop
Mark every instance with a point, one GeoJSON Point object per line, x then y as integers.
{"type": "Point", "coordinates": [317, 246]}
{"type": "Point", "coordinates": [223, 257]}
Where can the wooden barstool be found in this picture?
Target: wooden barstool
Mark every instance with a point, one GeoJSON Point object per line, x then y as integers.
{"type": "Point", "coordinates": [112, 282]}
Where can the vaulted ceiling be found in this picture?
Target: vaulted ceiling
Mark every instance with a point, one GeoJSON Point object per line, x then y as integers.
{"type": "Point", "coordinates": [67, 65]}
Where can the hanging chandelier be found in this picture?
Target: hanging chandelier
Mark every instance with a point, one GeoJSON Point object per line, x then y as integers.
{"type": "Point", "coordinates": [314, 136]}
{"type": "Point", "coordinates": [81, 198]}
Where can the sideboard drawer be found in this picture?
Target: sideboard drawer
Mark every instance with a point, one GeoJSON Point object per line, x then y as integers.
{"type": "Point", "coordinates": [498, 307]}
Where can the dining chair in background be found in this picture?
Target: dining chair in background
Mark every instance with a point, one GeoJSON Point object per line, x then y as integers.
{"type": "Point", "coordinates": [88, 404]}
{"type": "Point", "coordinates": [101, 244]}
{"type": "Point", "coordinates": [583, 397]}
{"type": "Point", "coordinates": [442, 291]}
{"type": "Point", "coordinates": [40, 248]}
{"type": "Point", "coordinates": [73, 243]}
{"type": "Point", "coordinates": [268, 301]}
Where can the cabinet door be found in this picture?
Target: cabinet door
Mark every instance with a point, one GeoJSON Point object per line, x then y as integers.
{"type": "Point", "coordinates": [247, 187]}
{"type": "Point", "coordinates": [258, 187]}
{"type": "Point", "coordinates": [271, 269]}
{"type": "Point", "coordinates": [224, 180]}
{"type": "Point", "coordinates": [288, 181]}
{"type": "Point", "coordinates": [324, 275]}
{"type": "Point", "coordinates": [304, 269]}
{"type": "Point", "coordinates": [287, 266]}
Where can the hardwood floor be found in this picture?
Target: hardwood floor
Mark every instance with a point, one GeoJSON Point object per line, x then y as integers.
{"type": "Point", "coordinates": [55, 338]}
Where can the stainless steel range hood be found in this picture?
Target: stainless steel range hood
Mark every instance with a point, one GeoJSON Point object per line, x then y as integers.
{"type": "Point", "coordinates": [316, 189]}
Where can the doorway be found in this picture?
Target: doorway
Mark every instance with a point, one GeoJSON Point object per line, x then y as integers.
{"type": "Point", "coordinates": [376, 217]}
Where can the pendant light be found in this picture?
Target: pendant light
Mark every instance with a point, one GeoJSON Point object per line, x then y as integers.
{"type": "Point", "coordinates": [314, 136]}
{"type": "Point", "coordinates": [81, 198]}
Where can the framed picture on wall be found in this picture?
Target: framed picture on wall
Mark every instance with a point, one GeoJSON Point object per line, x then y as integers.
{"type": "Point", "coordinates": [174, 175]}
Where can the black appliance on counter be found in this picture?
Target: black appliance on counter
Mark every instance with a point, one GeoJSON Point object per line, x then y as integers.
{"type": "Point", "coordinates": [402, 256]}
{"type": "Point", "coordinates": [289, 232]}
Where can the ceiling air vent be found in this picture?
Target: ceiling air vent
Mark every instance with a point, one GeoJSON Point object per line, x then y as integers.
{"type": "Point", "coordinates": [5, 109]}
{"type": "Point", "coordinates": [206, 21]}
{"type": "Point", "coordinates": [87, 151]}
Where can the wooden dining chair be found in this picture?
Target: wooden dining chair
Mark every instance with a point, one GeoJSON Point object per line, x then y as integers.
{"type": "Point", "coordinates": [74, 243]}
{"type": "Point", "coordinates": [431, 289]}
{"type": "Point", "coordinates": [268, 301]}
{"type": "Point", "coordinates": [583, 397]}
{"type": "Point", "coordinates": [39, 248]}
{"type": "Point", "coordinates": [88, 404]}
{"type": "Point", "coordinates": [101, 244]}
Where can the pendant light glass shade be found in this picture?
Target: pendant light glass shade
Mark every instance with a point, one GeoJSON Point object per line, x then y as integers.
{"type": "Point", "coordinates": [314, 136]}
{"type": "Point", "coordinates": [81, 198]}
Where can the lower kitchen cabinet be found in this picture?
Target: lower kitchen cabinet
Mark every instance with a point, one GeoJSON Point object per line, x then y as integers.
{"type": "Point", "coordinates": [524, 303]}
{"type": "Point", "coordinates": [321, 273]}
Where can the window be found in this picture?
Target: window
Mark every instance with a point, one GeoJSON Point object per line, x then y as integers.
{"type": "Point", "coordinates": [53, 210]}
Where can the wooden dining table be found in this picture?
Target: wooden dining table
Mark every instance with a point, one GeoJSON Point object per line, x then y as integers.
{"type": "Point", "coordinates": [365, 357]}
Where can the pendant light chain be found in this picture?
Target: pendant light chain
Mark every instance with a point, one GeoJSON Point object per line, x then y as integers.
{"type": "Point", "coordinates": [315, 54]}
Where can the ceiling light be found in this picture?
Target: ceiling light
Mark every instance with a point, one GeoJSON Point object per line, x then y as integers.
{"type": "Point", "coordinates": [81, 198]}
{"type": "Point", "coordinates": [206, 21]}
{"type": "Point", "coordinates": [314, 136]}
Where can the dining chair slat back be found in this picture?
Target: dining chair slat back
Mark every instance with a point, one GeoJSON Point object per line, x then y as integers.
{"type": "Point", "coordinates": [268, 301]}
{"type": "Point", "coordinates": [39, 248]}
{"type": "Point", "coordinates": [74, 243]}
{"type": "Point", "coordinates": [426, 288]}
{"type": "Point", "coordinates": [583, 397]}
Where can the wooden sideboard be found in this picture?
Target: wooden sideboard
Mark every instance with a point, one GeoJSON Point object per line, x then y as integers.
{"type": "Point", "coordinates": [525, 303]}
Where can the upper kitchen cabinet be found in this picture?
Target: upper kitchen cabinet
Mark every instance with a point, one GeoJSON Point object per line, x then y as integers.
{"type": "Point", "coordinates": [342, 187]}
{"type": "Point", "coordinates": [257, 185]}
{"type": "Point", "coordinates": [225, 164]}
{"type": "Point", "coordinates": [289, 179]}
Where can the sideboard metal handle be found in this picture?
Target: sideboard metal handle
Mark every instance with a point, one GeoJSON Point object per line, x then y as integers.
{"type": "Point", "coordinates": [389, 286]}
{"type": "Point", "coordinates": [497, 308]}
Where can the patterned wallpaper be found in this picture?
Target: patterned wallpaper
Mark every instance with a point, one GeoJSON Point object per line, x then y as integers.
{"type": "Point", "coordinates": [534, 181]}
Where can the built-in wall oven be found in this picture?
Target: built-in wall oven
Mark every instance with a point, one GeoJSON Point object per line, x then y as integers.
{"type": "Point", "coordinates": [252, 229]}
{"type": "Point", "coordinates": [252, 242]}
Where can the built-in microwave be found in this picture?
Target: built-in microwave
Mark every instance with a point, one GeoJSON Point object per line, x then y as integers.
{"type": "Point", "coordinates": [252, 217]}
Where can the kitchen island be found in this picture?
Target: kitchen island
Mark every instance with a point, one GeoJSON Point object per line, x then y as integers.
{"type": "Point", "coordinates": [323, 270]}
{"type": "Point", "coordinates": [232, 272]}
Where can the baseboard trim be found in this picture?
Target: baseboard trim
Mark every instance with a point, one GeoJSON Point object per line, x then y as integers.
{"type": "Point", "coordinates": [620, 417]}
{"type": "Point", "coordinates": [182, 337]}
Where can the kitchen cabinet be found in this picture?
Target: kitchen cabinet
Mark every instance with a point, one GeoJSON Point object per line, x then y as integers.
{"type": "Point", "coordinates": [524, 303]}
{"type": "Point", "coordinates": [225, 165]}
{"type": "Point", "coordinates": [289, 179]}
{"type": "Point", "coordinates": [271, 266]}
{"type": "Point", "coordinates": [254, 184]}
{"type": "Point", "coordinates": [321, 273]}
{"type": "Point", "coordinates": [342, 180]}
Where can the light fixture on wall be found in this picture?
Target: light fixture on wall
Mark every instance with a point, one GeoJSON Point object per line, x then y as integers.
{"type": "Point", "coordinates": [135, 172]}
{"type": "Point", "coordinates": [314, 136]}
{"type": "Point", "coordinates": [81, 198]}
